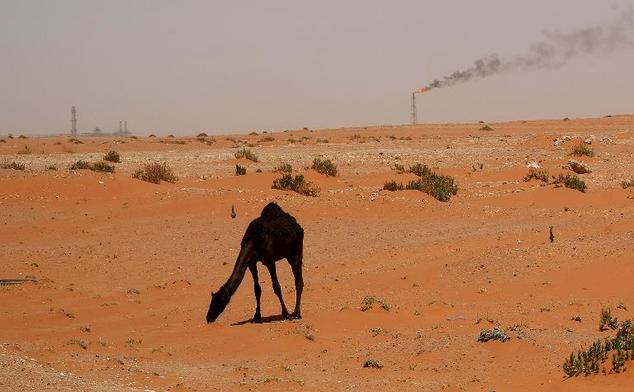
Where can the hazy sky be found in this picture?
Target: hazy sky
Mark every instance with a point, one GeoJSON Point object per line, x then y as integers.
{"type": "Point", "coordinates": [219, 66]}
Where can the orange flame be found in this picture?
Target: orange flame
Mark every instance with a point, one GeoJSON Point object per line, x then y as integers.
{"type": "Point", "coordinates": [422, 90]}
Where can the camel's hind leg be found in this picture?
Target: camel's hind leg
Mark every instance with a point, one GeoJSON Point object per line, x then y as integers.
{"type": "Point", "coordinates": [296, 266]}
{"type": "Point", "coordinates": [257, 317]}
{"type": "Point", "coordinates": [276, 287]}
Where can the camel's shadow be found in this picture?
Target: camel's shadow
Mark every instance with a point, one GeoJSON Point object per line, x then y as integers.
{"type": "Point", "coordinates": [264, 320]}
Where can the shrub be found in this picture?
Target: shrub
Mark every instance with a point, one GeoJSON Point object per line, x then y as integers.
{"type": "Point", "coordinates": [155, 173]}
{"type": "Point", "coordinates": [607, 320]}
{"type": "Point", "coordinates": [112, 156]}
{"type": "Point", "coordinates": [51, 167]}
{"type": "Point", "coordinates": [253, 133]}
{"type": "Point", "coordinates": [170, 136]}
{"type": "Point", "coordinates": [398, 168]}
{"type": "Point", "coordinates": [493, 334]}
{"type": "Point", "coordinates": [2, 141]}
{"type": "Point", "coordinates": [25, 150]}
{"type": "Point", "coordinates": [75, 141]}
{"type": "Point", "coordinates": [267, 139]}
{"type": "Point", "coordinates": [202, 135]}
{"type": "Point", "coordinates": [393, 186]}
{"type": "Point", "coordinates": [283, 168]}
{"type": "Point", "coordinates": [323, 141]}
{"type": "Point", "coordinates": [240, 170]}
{"type": "Point", "coordinates": [572, 182]}
{"type": "Point", "coordinates": [486, 128]}
{"type": "Point", "coordinates": [80, 165]}
{"type": "Point", "coordinates": [373, 363]}
{"type": "Point", "coordinates": [537, 174]}
{"type": "Point", "coordinates": [102, 167]}
{"type": "Point", "coordinates": [324, 167]}
{"type": "Point", "coordinates": [582, 149]}
{"type": "Point", "coordinates": [627, 184]}
{"type": "Point", "coordinates": [436, 185]}
{"type": "Point", "coordinates": [22, 137]}
{"type": "Point", "coordinates": [152, 135]}
{"type": "Point", "coordinates": [13, 165]}
{"type": "Point", "coordinates": [369, 301]}
{"type": "Point", "coordinates": [245, 153]}
{"type": "Point", "coordinates": [588, 361]}
{"type": "Point", "coordinates": [296, 184]}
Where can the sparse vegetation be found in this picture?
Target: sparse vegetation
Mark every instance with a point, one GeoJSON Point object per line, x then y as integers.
{"type": "Point", "coordinates": [324, 166]}
{"type": "Point", "coordinates": [571, 181]}
{"type": "Point", "coordinates": [75, 141]}
{"type": "Point", "coordinates": [486, 127]}
{"type": "Point", "coordinates": [253, 133]}
{"type": "Point", "coordinates": [267, 139]}
{"type": "Point", "coordinates": [240, 170]}
{"type": "Point", "coordinates": [78, 342]}
{"type": "Point", "coordinates": [12, 165]}
{"type": "Point", "coordinates": [112, 156]}
{"type": "Point", "coordinates": [51, 167]}
{"type": "Point", "coordinates": [283, 168]}
{"type": "Point", "coordinates": [537, 174]}
{"type": "Point", "coordinates": [2, 141]}
{"type": "Point", "coordinates": [202, 135]}
{"type": "Point", "coordinates": [80, 165]}
{"type": "Point", "coordinates": [102, 166]}
{"type": "Point", "coordinates": [439, 186]}
{"type": "Point", "coordinates": [373, 363]}
{"type": "Point", "coordinates": [22, 137]}
{"type": "Point", "coordinates": [607, 321]}
{"type": "Point", "coordinates": [627, 184]}
{"type": "Point", "coordinates": [582, 149]}
{"type": "Point", "coordinates": [493, 334]}
{"type": "Point", "coordinates": [398, 168]}
{"type": "Point", "coordinates": [296, 184]}
{"type": "Point", "coordinates": [247, 154]}
{"type": "Point", "coordinates": [589, 361]}
{"type": "Point", "coordinates": [323, 141]}
{"type": "Point", "coordinates": [369, 301]}
{"type": "Point", "coordinates": [155, 173]}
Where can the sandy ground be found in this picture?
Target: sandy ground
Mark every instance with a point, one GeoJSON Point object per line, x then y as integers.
{"type": "Point", "coordinates": [124, 268]}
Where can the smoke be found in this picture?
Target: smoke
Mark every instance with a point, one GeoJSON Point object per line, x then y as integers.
{"type": "Point", "coordinates": [555, 51]}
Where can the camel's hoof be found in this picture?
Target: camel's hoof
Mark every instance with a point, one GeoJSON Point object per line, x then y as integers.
{"type": "Point", "coordinates": [296, 315]}
{"type": "Point", "coordinates": [256, 319]}
{"type": "Point", "coordinates": [285, 315]}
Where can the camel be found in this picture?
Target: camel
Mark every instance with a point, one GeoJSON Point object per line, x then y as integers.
{"type": "Point", "coordinates": [273, 236]}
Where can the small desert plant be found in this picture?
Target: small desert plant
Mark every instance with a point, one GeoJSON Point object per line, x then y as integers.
{"type": "Point", "coordinates": [393, 186]}
{"type": "Point", "coordinates": [582, 149]}
{"type": "Point", "coordinates": [202, 135]}
{"type": "Point", "coordinates": [240, 170]}
{"type": "Point", "coordinates": [607, 320]}
{"type": "Point", "coordinates": [155, 173]}
{"type": "Point", "coordinates": [398, 168]}
{"type": "Point", "coordinates": [493, 334]}
{"type": "Point", "coordinates": [487, 127]}
{"type": "Point", "coordinates": [283, 168]}
{"type": "Point", "coordinates": [439, 186]}
{"type": "Point", "coordinates": [537, 174]}
{"type": "Point", "coordinates": [296, 184]}
{"type": "Point", "coordinates": [78, 342]}
{"type": "Point", "coordinates": [152, 135]}
{"type": "Point", "coordinates": [22, 137]}
{"type": "Point", "coordinates": [102, 166]}
{"type": "Point", "coordinates": [267, 139]}
{"type": "Point", "coordinates": [75, 141]}
{"type": "Point", "coordinates": [13, 165]}
{"type": "Point", "coordinates": [368, 303]}
{"type": "Point", "coordinates": [373, 363]}
{"type": "Point", "coordinates": [51, 167]}
{"type": "Point", "coordinates": [588, 361]}
{"type": "Point", "coordinates": [571, 181]}
{"type": "Point", "coordinates": [323, 141]}
{"type": "Point", "coordinates": [324, 166]}
{"type": "Point", "coordinates": [253, 133]}
{"type": "Point", "coordinates": [25, 150]}
{"type": "Point", "coordinates": [112, 156]}
{"type": "Point", "coordinates": [80, 165]}
{"type": "Point", "coordinates": [246, 153]}
{"type": "Point", "coordinates": [170, 136]}
{"type": "Point", "coordinates": [627, 184]}
{"type": "Point", "coordinates": [2, 141]}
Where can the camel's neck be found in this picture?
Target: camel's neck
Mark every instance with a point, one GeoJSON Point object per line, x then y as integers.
{"type": "Point", "coordinates": [239, 269]}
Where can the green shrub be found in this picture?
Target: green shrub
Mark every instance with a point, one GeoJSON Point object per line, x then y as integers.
{"type": "Point", "coordinates": [245, 153]}
{"type": "Point", "coordinates": [13, 165]}
{"type": "Point", "coordinates": [112, 156]}
{"type": "Point", "coordinates": [571, 181]}
{"type": "Point", "coordinates": [393, 186]}
{"type": "Point", "coordinates": [296, 184]}
{"type": "Point", "coordinates": [80, 165]}
{"type": "Point", "coordinates": [283, 168]}
{"type": "Point", "coordinates": [324, 166]}
{"type": "Point", "coordinates": [155, 173]}
{"type": "Point", "coordinates": [240, 170]}
{"type": "Point", "coordinates": [102, 166]}
{"type": "Point", "coordinates": [582, 149]}
{"type": "Point", "coordinates": [607, 320]}
{"type": "Point", "coordinates": [537, 174]}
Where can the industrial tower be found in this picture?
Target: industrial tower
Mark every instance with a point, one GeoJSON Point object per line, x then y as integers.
{"type": "Point", "coordinates": [73, 122]}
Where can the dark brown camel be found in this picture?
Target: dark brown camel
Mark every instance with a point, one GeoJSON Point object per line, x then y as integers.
{"type": "Point", "coordinates": [271, 237]}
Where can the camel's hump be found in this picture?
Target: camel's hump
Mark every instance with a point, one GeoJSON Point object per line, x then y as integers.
{"type": "Point", "coordinates": [272, 210]}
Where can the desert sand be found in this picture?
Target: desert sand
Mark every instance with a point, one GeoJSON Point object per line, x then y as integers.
{"type": "Point", "coordinates": [123, 268]}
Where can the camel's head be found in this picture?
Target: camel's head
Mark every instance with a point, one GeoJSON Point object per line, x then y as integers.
{"type": "Point", "coordinates": [218, 304]}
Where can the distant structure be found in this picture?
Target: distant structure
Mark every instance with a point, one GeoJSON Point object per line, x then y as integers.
{"type": "Point", "coordinates": [120, 127]}
{"type": "Point", "coordinates": [73, 121]}
{"type": "Point", "coordinates": [414, 120]}
{"type": "Point", "coordinates": [123, 129]}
